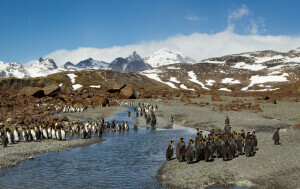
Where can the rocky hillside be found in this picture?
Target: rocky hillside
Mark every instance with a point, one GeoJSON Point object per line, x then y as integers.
{"type": "Point", "coordinates": [247, 72]}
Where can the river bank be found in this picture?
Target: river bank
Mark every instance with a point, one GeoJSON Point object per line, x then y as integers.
{"type": "Point", "coordinates": [272, 167]}
{"type": "Point", "coordinates": [21, 151]}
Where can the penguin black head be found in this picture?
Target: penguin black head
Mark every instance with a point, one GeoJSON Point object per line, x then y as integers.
{"type": "Point", "coordinates": [191, 141]}
{"type": "Point", "coordinates": [171, 141]}
{"type": "Point", "coordinates": [200, 131]}
{"type": "Point", "coordinates": [181, 139]}
{"type": "Point", "coordinates": [198, 134]}
{"type": "Point", "coordinates": [278, 129]}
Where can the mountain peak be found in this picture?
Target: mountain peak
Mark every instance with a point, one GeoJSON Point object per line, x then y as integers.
{"type": "Point", "coordinates": [164, 57]}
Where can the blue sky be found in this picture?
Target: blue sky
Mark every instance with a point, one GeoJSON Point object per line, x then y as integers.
{"type": "Point", "coordinates": [30, 29]}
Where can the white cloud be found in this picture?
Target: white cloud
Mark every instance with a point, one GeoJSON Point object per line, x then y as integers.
{"type": "Point", "coordinates": [243, 11]}
{"type": "Point", "coordinates": [192, 18]}
{"type": "Point", "coordinates": [196, 18]}
{"type": "Point", "coordinates": [197, 46]}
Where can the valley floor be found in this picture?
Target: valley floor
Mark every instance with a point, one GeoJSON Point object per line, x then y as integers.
{"type": "Point", "coordinates": [273, 166]}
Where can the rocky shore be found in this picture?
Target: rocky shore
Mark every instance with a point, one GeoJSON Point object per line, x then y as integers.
{"type": "Point", "coordinates": [272, 167]}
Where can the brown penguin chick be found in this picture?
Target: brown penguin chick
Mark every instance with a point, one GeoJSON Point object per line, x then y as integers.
{"type": "Point", "coordinates": [241, 145]}
{"type": "Point", "coordinates": [182, 152]}
{"type": "Point", "coordinates": [207, 151]}
{"type": "Point", "coordinates": [276, 137]}
{"type": "Point", "coordinates": [190, 152]}
{"type": "Point", "coordinates": [232, 145]}
{"type": "Point", "coordinates": [249, 147]}
{"type": "Point", "coordinates": [227, 122]}
{"type": "Point", "coordinates": [178, 147]}
{"type": "Point", "coordinates": [225, 151]}
{"type": "Point", "coordinates": [219, 144]}
{"type": "Point", "coordinates": [170, 151]}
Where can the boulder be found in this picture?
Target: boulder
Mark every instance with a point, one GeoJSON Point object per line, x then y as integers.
{"type": "Point", "coordinates": [39, 94]}
{"type": "Point", "coordinates": [271, 101]}
{"type": "Point", "coordinates": [216, 97]}
{"type": "Point", "coordinates": [54, 92]}
{"type": "Point", "coordinates": [127, 92]}
{"type": "Point", "coordinates": [295, 126]}
{"type": "Point", "coordinates": [97, 100]}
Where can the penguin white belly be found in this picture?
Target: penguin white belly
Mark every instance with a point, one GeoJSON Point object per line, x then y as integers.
{"type": "Point", "coordinates": [16, 135]}
{"type": "Point", "coordinates": [53, 134]}
{"type": "Point", "coordinates": [63, 135]}
{"type": "Point", "coordinates": [33, 134]}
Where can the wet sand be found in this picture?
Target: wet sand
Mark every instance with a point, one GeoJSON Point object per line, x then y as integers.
{"type": "Point", "coordinates": [273, 166]}
{"type": "Point", "coordinates": [21, 151]}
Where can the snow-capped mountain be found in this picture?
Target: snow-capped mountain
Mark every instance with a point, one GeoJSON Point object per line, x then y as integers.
{"type": "Point", "coordinates": [92, 64]}
{"type": "Point", "coordinates": [12, 69]}
{"type": "Point", "coordinates": [84, 65]}
{"type": "Point", "coordinates": [68, 66]}
{"type": "Point", "coordinates": [42, 67]}
{"type": "Point", "coordinates": [133, 63]}
{"type": "Point", "coordinates": [165, 57]}
{"type": "Point", "coordinates": [252, 71]}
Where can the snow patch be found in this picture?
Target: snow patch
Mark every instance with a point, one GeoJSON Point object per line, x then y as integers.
{"type": "Point", "coordinates": [254, 67]}
{"type": "Point", "coordinates": [264, 79]}
{"type": "Point", "coordinates": [173, 68]}
{"type": "Point", "coordinates": [210, 82]}
{"type": "Point", "coordinates": [173, 79]}
{"type": "Point", "coordinates": [265, 59]}
{"type": "Point", "coordinates": [224, 89]}
{"type": "Point", "coordinates": [76, 86]}
{"type": "Point", "coordinates": [193, 77]}
{"type": "Point", "coordinates": [230, 80]}
{"type": "Point", "coordinates": [214, 61]}
{"type": "Point", "coordinates": [185, 87]}
{"type": "Point", "coordinates": [95, 86]}
{"type": "Point", "coordinates": [153, 74]}
{"type": "Point", "coordinates": [72, 77]}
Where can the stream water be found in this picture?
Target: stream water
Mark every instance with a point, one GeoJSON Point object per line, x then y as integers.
{"type": "Point", "coordinates": [124, 160]}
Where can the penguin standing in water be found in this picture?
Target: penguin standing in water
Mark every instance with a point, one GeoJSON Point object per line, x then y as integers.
{"type": "Point", "coordinates": [123, 125]}
{"type": "Point", "coordinates": [126, 126]}
{"type": "Point", "coordinates": [113, 125]}
{"type": "Point", "coordinates": [170, 151]}
{"type": "Point", "coordinates": [182, 152]}
{"type": "Point", "coordinates": [276, 137]}
{"type": "Point", "coordinates": [118, 126]}
{"type": "Point", "coordinates": [207, 151]}
{"type": "Point", "coordinates": [17, 134]}
{"type": "Point", "coordinates": [178, 148]}
{"type": "Point", "coordinates": [190, 154]}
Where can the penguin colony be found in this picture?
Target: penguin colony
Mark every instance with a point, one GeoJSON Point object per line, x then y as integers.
{"type": "Point", "coordinates": [64, 109]}
{"type": "Point", "coordinates": [147, 111]}
{"type": "Point", "coordinates": [57, 131]}
{"type": "Point", "coordinates": [226, 144]}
